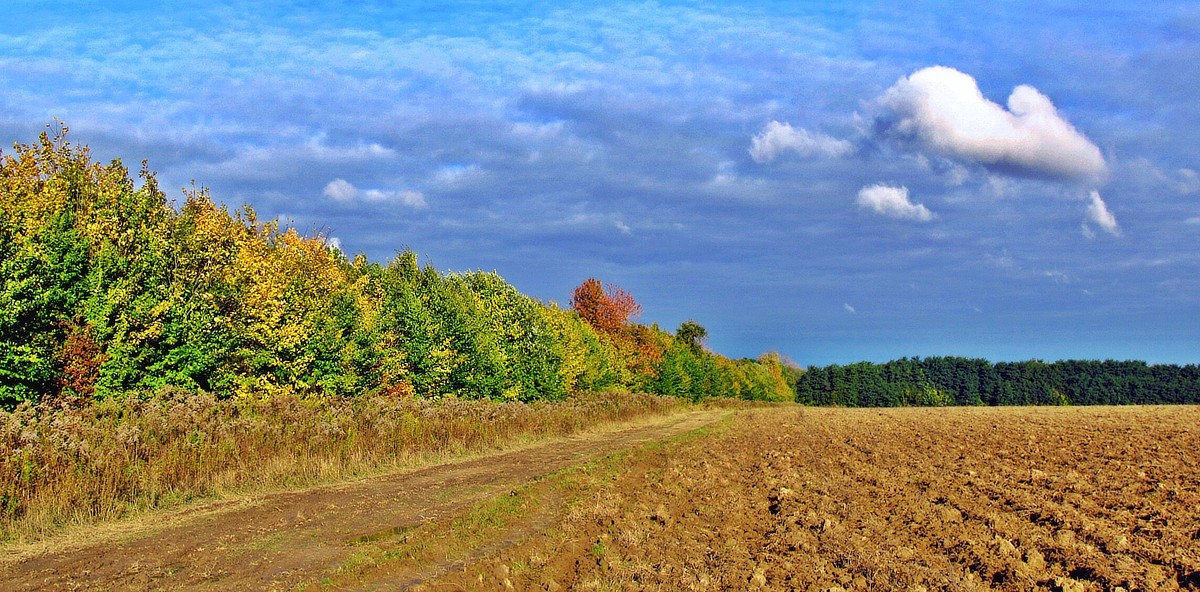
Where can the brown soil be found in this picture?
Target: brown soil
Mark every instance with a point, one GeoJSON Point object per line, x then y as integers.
{"type": "Point", "coordinates": [1076, 499]}
{"type": "Point", "coordinates": [286, 540]}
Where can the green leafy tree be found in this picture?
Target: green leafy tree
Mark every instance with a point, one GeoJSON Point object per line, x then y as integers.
{"type": "Point", "coordinates": [691, 334]}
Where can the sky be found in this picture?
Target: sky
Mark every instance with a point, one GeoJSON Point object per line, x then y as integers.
{"type": "Point", "coordinates": [833, 181]}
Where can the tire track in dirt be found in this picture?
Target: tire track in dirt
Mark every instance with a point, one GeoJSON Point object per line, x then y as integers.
{"type": "Point", "coordinates": [277, 541]}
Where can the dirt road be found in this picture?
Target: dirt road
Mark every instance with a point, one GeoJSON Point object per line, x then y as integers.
{"type": "Point", "coordinates": [281, 541]}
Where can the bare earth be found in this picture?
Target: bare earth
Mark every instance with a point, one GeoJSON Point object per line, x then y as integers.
{"type": "Point", "coordinates": [782, 498]}
{"type": "Point", "coordinates": [1075, 499]}
{"type": "Point", "coordinates": [280, 541]}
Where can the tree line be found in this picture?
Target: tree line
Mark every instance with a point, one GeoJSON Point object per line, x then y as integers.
{"type": "Point", "coordinates": [106, 287]}
{"type": "Point", "coordinates": [940, 381]}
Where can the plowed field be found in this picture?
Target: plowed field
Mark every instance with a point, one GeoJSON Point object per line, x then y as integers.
{"type": "Point", "coordinates": [781, 498]}
{"type": "Point", "coordinates": [1066, 499]}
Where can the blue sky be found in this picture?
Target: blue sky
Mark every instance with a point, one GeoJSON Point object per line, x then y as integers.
{"type": "Point", "coordinates": [833, 183]}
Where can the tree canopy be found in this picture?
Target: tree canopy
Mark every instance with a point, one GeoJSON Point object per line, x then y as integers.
{"type": "Point", "coordinates": [969, 381]}
{"type": "Point", "coordinates": [107, 287]}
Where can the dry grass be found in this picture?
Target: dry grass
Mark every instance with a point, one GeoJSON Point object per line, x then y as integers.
{"type": "Point", "coordinates": [63, 464]}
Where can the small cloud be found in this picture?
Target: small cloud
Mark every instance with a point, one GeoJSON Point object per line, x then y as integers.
{"type": "Point", "coordinates": [943, 110]}
{"type": "Point", "coordinates": [454, 175]}
{"type": "Point", "coordinates": [1098, 214]}
{"type": "Point", "coordinates": [777, 138]}
{"type": "Point", "coordinates": [340, 190]}
{"type": "Point", "coordinates": [334, 243]}
{"type": "Point", "coordinates": [1059, 277]}
{"type": "Point", "coordinates": [1184, 181]}
{"type": "Point", "coordinates": [343, 191]}
{"type": "Point", "coordinates": [849, 309]}
{"type": "Point", "coordinates": [726, 174]}
{"type": "Point", "coordinates": [623, 227]}
{"type": "Point", "coordinates": [375, 195]}
{"type": "Point", "coordinates": [957, 175]}
{"type": "Point", "coordinates": [1004, 261]}
{"type": "Point", "coordinates": [893, 202]}
{"type": "Point", "coordinates": [954, 173]}
{"type": "Point", "coordinates": [1188, 181]}
{"type": "Point", "coordinates": [413, 199]}
{"type": "Point", "coordinates": [1192, 220]}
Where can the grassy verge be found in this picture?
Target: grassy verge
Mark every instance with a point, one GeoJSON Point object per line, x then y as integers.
{"type": "Point", "coordinates": [66, 465]}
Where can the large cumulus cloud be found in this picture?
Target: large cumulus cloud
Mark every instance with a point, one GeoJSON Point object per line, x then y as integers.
{"type": "Point", "coordinates": [942, 110]}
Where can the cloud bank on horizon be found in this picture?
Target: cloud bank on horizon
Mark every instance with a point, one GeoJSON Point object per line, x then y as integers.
{"type": "Point", "coordinates": [1008, 182]}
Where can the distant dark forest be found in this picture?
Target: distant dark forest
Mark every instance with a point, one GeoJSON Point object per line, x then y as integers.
{"type": "Point", "coordinates": [940, 381]}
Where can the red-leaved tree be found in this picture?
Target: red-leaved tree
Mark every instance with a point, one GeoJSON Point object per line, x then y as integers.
{"type": "Point", "coordinates": [608, 310]}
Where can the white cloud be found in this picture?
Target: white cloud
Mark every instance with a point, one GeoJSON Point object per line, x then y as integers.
{"type": "Point", "coordinates": [952, 172]}
{"type": "Point", "coordinates": [1059, 276]}
{"type": "Point", "coordinates": [343, 191]}
{"type": "Point", "coordinates": [455, 175]}
{"type": "Point", "coordinates": [1004, 261]}
{"type": "Point", "coordinates": [340, 190]}
{"type": "Point", "coordinates": [1142, 170]}
{"type": "Point", "coordinates": [848, 308]}
{"type": "Point", "coordinates": [893, 202]}
{"type": "Point", "coordinates": [413, 199]}
{"type": "Point", "coordinates": [375, 195]}
{"type": "Point", "coordinates": [943, 110]}
{"type": "Point", "coordinates": [1189, 181]}
{"type": "Point", "coordinates": [1097, 213]}
{"type": "Point", "coordinates": [777, 138]}
{"type": "Point", "coordinates": [317, 149]}
{"type": "Point", "coordinates": [957, 175]}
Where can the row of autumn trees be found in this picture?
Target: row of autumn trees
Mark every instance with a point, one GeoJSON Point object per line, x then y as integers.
{"type": "Point", "coordinates": [940, 381]}
{"type": "Point", "coordinates": [107, 288]}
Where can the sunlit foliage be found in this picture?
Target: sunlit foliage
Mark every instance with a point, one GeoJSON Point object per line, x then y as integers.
{"type": "Point", "coordinates": [107, 288]}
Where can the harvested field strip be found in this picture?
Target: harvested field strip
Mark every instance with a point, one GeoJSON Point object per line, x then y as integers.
{"type": "Point", "coordinates": [1074, 499]}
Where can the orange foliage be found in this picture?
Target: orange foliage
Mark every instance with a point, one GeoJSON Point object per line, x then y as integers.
{"type": "Point", "coordinates": [649, 346]}
{"type": "Point", "coordinates": [606, 309]}
{"type": "Point", "coordinates": [81, 358]}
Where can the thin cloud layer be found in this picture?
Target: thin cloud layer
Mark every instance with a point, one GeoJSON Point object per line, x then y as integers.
{"type": "Point", "coordinates": [942, 110]}
{"type": "Point", "coordinates": [893, 202]}
{"type": "Point", "coordinates": [778, 138]}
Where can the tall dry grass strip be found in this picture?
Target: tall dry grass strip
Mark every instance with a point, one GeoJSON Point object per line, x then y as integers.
{"type": "Point", "coordinates": [64, 464]}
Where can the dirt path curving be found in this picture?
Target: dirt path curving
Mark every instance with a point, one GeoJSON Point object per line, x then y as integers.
{"type": "Point", "coordinates": [277, 541]}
